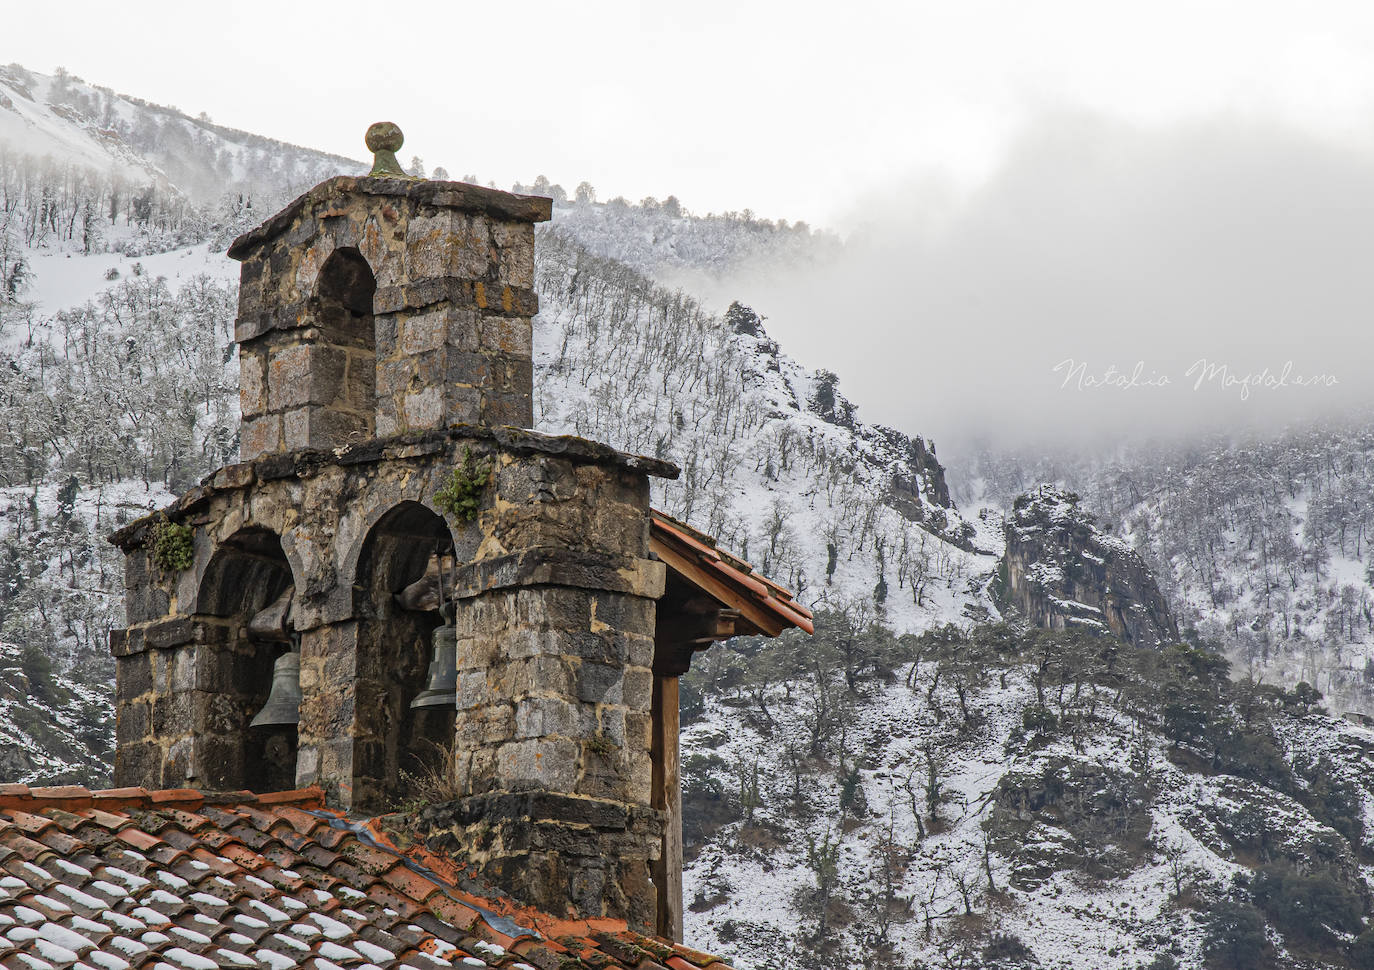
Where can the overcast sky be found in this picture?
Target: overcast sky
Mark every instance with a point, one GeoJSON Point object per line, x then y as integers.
{"type": "Point", "coordinates": [787, 108]}
{"type": "Point", "coordinates": [1026, 183]}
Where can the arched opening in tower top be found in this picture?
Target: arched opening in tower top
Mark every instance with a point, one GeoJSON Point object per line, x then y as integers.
{"type": "Point", "coordinates": [247, 587]}
{"type": "Point", "coordinates": [398, 583]}
{"type": "Point", "coordinates": [344, 317]}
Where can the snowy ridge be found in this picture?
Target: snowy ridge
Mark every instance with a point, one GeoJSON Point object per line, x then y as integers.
{"type": "Point", "coordinates": [69, 121]}
{"type": "Point", "coordinates": [774, 474]}
{"type": "Point", "coordinates": [666, 242]}
{"type": "Point", "coordinates": [29, 124]}
{"type": "Point", "coordinates": [85, 170]}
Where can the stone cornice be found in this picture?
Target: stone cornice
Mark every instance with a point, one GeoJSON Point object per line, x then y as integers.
{"type": "Point", "coordinates": [448, 195]}
{"type": "Point", "coordinates": [307, 462]}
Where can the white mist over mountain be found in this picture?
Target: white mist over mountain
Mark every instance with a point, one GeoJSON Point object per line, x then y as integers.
{"type": "Point", "coordinates": [1107, 276]}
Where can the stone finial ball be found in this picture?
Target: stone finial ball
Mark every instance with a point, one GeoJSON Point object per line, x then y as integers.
{"type": "Point", "coordinates": [384, 136]}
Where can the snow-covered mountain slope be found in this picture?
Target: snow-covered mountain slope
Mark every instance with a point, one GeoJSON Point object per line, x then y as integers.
{"type": "Point", "coordinates": [1265, 543]}
{"type": "Point", "coordinates": [53, 729]}
{"type": "Point", "coordinates": [669, 244]}
{"type": "Point", "coordinates": [86, 170]}
{"type": "Point", "coordinates": [1259, 542]}
{"type": "Point", "coordinates": [1055, 802]}
{"type": "Point", "coordinates": [775, 464]}
{"type": "Point", "coordinates": [67, 121]}
{"type": "Point", "coordinates": [30, 124]}
{"type": "Point", "coordinates": [65, 281]}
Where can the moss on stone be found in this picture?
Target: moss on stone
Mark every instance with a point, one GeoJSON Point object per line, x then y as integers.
{"type": "Point", "coordinates": [461, 497]}
{"type": "Point", "coordinates": [172, 546]}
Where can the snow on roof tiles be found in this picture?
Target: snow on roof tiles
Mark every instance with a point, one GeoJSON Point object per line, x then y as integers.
{"type": "Point", "coordinates": [182, 880]}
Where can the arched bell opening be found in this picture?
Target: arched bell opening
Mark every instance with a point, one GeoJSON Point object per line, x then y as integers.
{"type": "Point", "coordinates": [343, 311]}
{"type": "Point", "coordinates": [247, 590]}
{"type": "Point", "coordinates": [405, 707]}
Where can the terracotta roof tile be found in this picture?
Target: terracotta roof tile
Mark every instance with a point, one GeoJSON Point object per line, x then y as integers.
{"type": "Point", "coordinates": [177, 796]}
{"type": "Point", "coordinates": [25, 849]}
{"type": "Point", "coordinates": [31, 824]}
{"type": "Point", "coordinates": [303, 822]}
{"type": "Point", "coordinates": [142, 835]}
{"type": "Point", "coordinates": [179, 880]}
{"type": "Point", "coordinates": [332, 838]}
{"type": "Point", "coordinates": [104, 819]}
{"type": "Point", "coordinates": [455, 912]}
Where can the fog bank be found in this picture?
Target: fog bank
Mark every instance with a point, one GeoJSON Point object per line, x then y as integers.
{"type": "Point", "coordinates": [1201, 276]}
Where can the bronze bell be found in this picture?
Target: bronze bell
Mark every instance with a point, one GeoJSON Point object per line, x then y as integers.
{"type": "Point", "coordinates": [442, 689]}
{"type": "Point", "coordinates": [284, 702]}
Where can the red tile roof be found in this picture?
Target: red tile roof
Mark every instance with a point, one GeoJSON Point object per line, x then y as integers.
{"type": "Point", "coordinates": [766, 606]}
{"type": "Point", "coordinates": [183, 880]}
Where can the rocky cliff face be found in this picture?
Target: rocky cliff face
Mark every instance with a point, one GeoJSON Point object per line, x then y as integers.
{"type": "Point", "coordinates": [913, 466]}
{"type": "Point", "coordinates": [1060, 571]}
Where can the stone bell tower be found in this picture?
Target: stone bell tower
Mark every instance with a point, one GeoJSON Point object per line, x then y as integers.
{"type": "Point", "coordinates": [403, 306]}
{"type": "Point", "coordinates": [384, 332]}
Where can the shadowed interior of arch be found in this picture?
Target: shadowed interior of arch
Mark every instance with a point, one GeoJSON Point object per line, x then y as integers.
{"type": "Point", "coordinates": [245, 576]}
{"type": "Point", "coordinates": [344, 316]}
{"type": "Point", "coordinates": [393, 739]}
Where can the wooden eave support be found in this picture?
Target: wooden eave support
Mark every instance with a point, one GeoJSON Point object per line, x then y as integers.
{"type": "Point", "coordinates": [684, 634]}
{"type": "Point", "coordinates": [713, 580]}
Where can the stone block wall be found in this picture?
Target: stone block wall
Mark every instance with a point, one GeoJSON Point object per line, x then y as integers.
{"type": "Point", "coordinates": [554, 739]}
{"type": "Point", "coordinates": [554, 691]}
{"type": "Point", "coordinates": [555, 687]}
{"type": "Point", "coordinates": [446, 287]}
{"type": "Point", "coordinates": [556, 602]}
{"type": "Point", "coordinates": [300, 390]}
{"type": "Point", "coordinates": [183, 703]}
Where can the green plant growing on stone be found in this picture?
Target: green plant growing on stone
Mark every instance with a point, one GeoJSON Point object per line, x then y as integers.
{"type": "Point", "coordinates": [602, 745]}
{"type": "Point", "coordinates": [461, 497]}
{"type": "Point", "coordinates": [172, 546]}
